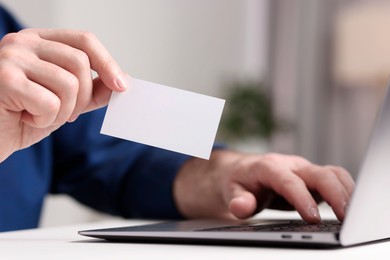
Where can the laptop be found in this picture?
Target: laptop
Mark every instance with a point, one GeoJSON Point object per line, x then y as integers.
{"type": "Point", "coordinates": [366, 217]}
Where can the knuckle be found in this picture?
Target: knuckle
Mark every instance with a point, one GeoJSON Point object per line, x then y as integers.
{"type": "Point", "coordinates": [18, 39]}
{"type": "Point", "coordinates": [107, 64]}
{"type": "Point", "coordinates": [271, 163]}
{"type": "Point", "coordinates": [255, 166]}
{"type": "Point", "coordinates": [327, 179]}
{"type": "Point", "coordinates": [25, 37]}
{"type": "Point", "coordinates": [28, 30]}
{"type": "Point", "coordinates": [337, 169]}
{"type": "Point", "coordinates": [332, 172]}
{"type": "Point", "coordinates": [81, 59]}
{"type": "Point", "coordinates": [7, 76]}
{"type": "Point", "coordinates": [10, 80]}
{"type": "Point", "coordinates": [250, 163]}
{"type": "Point", "coordinates": [72, 84]}
{"type": "Point", "coordinates": [87, 39]}
{"type": "Point", "coordinates": [53, 106]}
{"type": "Point", "coordinates": [286, 182]}
{"type": "Point", "coordinates": [277, 158]}
{"type": "Point", "coordinates": [8, 55]}
{"type": "Point", "coordinates": [239, 168]}
{"type": "Point", "coordinates": [271, 157]}
{"type": "Point", "coordinates": [11, 38]}
{"type": "Point", "coordinates": [301, 159]}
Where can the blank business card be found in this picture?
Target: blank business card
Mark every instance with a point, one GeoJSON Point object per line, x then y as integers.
{"type": "Point", "coordinates": [164, 117]}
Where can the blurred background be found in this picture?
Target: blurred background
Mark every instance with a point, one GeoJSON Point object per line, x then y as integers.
{"type": "Point", "coordinates": [301, 77]}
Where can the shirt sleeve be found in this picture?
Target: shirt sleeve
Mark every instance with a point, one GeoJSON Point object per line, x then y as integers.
{"type": "Point", "coordinates": [8, 23]}
{"type": "Point", "coordinates": [112, 175]}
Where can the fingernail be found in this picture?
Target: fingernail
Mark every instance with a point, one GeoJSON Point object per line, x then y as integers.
{"type": "Point", "coordinates": [73, 118]}
{"type": "Point", "coordinates": [345, 207]}
{"type": "Point", "coordinates": [122, 81]}
{"type": "Point", "coordinates": [314, 213]}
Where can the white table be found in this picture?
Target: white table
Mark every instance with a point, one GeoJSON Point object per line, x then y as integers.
{"type": "Point", "coordinates": [65, 243]}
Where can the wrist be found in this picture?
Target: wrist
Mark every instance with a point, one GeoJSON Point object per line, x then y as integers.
{"type": "Point", "coordinates": [198, 187]}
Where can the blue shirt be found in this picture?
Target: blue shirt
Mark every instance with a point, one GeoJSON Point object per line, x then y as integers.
{"type": "Point", "coordinates": [108, 174]}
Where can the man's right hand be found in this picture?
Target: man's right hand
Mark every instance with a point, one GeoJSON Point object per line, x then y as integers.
{"type": "Point", "coordinates": [45, 81]}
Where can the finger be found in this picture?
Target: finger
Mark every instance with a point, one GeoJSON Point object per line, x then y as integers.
{"type": "Point", "coordinates": [344, 177]}
{"type": "Point", "coordinates": [74, 61]}
{"type": "Point", "coordinates": [38, 105]}
{"type": "Point", "coordinates": [99, 57]}
{"type": "Point", "coordinates": [242, 203]}
{"type": "Point", "coordinates": [327, 184]}
{"type": "Point", "coordinates": [59, 81]}
{"type": "Point", "coordinates": [100, 96]}
{"type": "Point", "coordinates": [293, 189]}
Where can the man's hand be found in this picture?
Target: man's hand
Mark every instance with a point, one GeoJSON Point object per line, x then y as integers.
{"type": "Point", "coordinates": [240, 185]}
{"type": "Point", "coordinates": [45, 81]}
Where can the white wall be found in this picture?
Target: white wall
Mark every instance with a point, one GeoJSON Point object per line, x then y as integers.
{"type": "Point", "coordinates": [190, 44]}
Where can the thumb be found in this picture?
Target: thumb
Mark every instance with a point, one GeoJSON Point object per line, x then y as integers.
{"type": "Point", "coordinates": [101, 93]}
{"type": "Point", "coordinates": [243, 203]}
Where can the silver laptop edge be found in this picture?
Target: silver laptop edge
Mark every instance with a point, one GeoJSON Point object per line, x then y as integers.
{"type": "Point", "coordinates": [369, 210]}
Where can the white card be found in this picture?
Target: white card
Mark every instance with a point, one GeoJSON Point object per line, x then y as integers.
{"type": "Point", "coordinates": [164, 117]}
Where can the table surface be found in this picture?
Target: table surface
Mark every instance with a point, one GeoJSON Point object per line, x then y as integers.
{"type": "Point", "coordinates": [65, 243]}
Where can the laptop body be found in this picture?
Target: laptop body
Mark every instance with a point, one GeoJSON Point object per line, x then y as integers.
{"type": "Point", "coordinates": [366, 217]}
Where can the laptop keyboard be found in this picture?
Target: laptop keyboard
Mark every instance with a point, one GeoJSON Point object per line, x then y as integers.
{"type": "Point", "coordinates": [294, 226]}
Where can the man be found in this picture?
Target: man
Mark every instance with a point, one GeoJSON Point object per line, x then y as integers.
{"type": "Point", "coordinates": [50, 142]}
